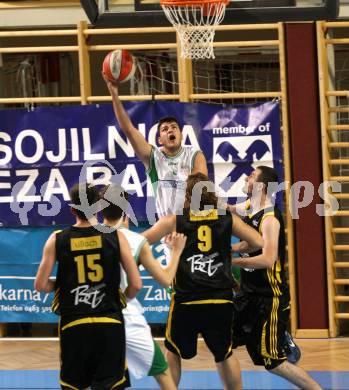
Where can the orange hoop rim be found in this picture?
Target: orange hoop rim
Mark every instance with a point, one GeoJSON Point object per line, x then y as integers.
{"type": "Point", "coordinates": [192, 2]}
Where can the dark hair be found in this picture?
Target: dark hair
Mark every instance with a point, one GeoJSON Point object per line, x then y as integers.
{"type": "Point", "coordinates": [91, 193]}
{"type": "Point", "coordinates": [208, 194]}
{"type": "Point", "coordinates": [165, 119]}
{"type": "Point", "coordinates": [266, 176]}
{"type": "Point", "coordinates": [118, 201]}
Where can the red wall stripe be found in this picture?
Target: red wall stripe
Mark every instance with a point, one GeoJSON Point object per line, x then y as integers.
{"type": "Point", "coordinates": [305, 135]}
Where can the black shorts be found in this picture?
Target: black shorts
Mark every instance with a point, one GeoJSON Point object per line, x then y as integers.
{"type": "Point", "coordinates": [260, 324]}
{"type": "Point", "coordinates": [93, 354]}
{"type": "Point", "coordinates": [212, 320]}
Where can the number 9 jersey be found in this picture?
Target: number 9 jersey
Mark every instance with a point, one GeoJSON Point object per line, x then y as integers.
{"type": "Point", "coordinates": [88, 274]}
{"type": "Point", "coordinates": [204, 270]}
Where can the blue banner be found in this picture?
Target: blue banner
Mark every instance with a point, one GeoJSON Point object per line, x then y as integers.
{"type": "Point", "coordinates": [19, 261]}
{"type": "Point", "coordinates": [20, 256]}
{"type": "Point", "coordinates": [42, 153]}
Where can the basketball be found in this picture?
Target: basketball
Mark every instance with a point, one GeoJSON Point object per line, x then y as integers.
{"type": "Point", "coordinates": [119, 65]}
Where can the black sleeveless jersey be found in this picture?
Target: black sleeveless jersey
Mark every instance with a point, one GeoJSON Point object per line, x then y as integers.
{"type": "Point", "coordinates": [266, 281]}
{"type": "Point", "coordinates": [88, 274]}
{"type": "Point", "coordinates": [204, 270]}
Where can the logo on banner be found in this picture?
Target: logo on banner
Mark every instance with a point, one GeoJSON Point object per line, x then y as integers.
{"type": "Point", "coordinates": [235, 158]}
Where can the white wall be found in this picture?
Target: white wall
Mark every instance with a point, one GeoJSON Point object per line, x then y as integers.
{"type": "Point", "coordinates": [50, 16]}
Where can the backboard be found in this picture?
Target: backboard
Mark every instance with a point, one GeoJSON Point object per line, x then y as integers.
{"type": "Point", "coordinates": [146, 13]}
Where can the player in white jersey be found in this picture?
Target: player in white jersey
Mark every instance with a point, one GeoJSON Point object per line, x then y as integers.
{"type": "Point", "coordinates": [169, 165]}
{"type": "Point", "coordinates": [143, 354]}
{"type": "Point", "coordinates": [168, 175]}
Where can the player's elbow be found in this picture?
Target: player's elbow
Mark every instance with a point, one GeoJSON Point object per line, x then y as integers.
{"type": "Point", "coordinates": [148, 237]}
{"type": "Point", "coordinates": [269, 260]}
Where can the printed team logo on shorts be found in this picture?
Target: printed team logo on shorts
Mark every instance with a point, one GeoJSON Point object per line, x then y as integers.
{"type": "Point", "coordinates": [235, 158]}
{"type": "Point", "coordinates": [267, 361]}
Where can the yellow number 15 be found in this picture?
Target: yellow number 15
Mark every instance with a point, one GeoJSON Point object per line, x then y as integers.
{"type": "Point", "coordinates": [94, 271]}
{"type": "Point", "coordinates": [205, 238]}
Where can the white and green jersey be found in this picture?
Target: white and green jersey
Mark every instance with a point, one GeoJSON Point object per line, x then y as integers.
{"type": "Point", "coordinates": [136, 242]}
{"type": "Point", "coordinates": [144, 356]}
{"type": "Point", "coordinates": [168, 176]}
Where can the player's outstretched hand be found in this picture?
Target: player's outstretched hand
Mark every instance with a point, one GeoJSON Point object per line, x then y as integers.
{"type": "Point", "coordinates": [178, 241]}
{"type": "Point", "coordinates": [112, 85]}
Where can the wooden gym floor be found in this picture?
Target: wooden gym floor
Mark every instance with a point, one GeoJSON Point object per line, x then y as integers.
{"type": "Point", "coordinates": [33, 364]}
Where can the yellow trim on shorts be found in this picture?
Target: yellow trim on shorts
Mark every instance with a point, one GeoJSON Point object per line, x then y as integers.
{"type": "Point", "coordinates": [119, 382]}
{"type": "Point", "coordinates": [229, 350]}
{"type": "Point", "coordinates": [91, 320]}
{"type": "Point", "coordinates": [273, 333]}
{"type": "Point", "coordinates": [68, 385]}
{"type": "Point", "coordinates": [263, 346]}
{"type": "Point", "coordinates": [204, 301]}
{"type": "Point", "coordinates": [168, 327]}
{"type": "Point", "coordinates": [59, 344]}
{"type": "Point", "coordinates": [273, 351]}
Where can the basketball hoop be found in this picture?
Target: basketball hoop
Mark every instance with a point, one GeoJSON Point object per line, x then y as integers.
{"type": "Point", "coordinates": [195, 21]}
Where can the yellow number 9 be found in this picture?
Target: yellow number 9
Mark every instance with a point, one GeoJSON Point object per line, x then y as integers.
{"type": "Point", "coordinates": [205, 238]}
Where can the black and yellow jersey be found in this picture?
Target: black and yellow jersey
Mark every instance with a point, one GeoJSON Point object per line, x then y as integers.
{"type": "Point", "coordinates": [204, 270]}
{"type": "Point", "coordinates": [88, 273]}
{"type": "Point", "coordinates": [266, 281]}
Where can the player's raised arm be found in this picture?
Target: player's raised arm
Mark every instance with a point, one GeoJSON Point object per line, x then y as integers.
{"type": "Point", "coordinates": [163, 226]}
{"type": "Point", "coordinates": [130, 267]}
{"type": "Point", "coordinates": [249, 236]}
{"type": "Point", "coordinates": [42, 281]}
{"type": "Point", "coordinates": [164, 276]}
{"type": "Point", "coordinates": [138, 142]}
{"type": "Point", "coordinates": [200, 164]}
{"type": "Point", "coordinates": [270, 230]}
{"type": "Point", "coordinates": [238, 208]}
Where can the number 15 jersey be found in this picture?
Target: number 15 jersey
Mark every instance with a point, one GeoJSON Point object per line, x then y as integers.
{"type": "Point", "coordinates": [88, 274]}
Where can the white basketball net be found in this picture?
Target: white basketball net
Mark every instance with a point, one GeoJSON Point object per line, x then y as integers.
{"type": "Point", "coordinates": [195, 25]}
